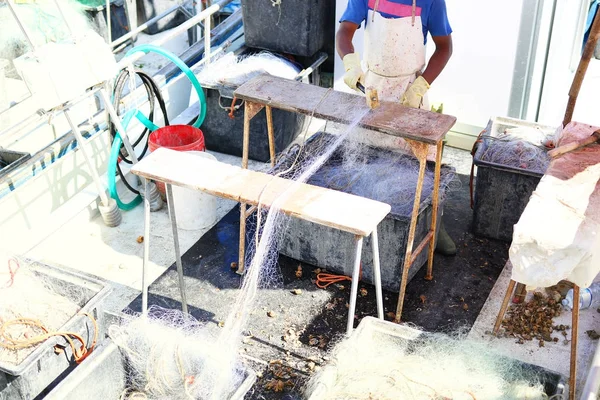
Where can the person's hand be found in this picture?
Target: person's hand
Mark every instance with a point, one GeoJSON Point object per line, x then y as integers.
{"type": "Point", "coordinates": [413, 97]}
{"type": "Point", "coordinates": [354, 72]}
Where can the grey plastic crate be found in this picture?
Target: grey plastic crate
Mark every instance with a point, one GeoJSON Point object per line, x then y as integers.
{"type": "Point", "coordinates": [43, 366]}
{"type": "Point", "coordinates": [394, 335]}
{"type": "Point", "coordinates": [297, 27]}
{"type": "Point", "coordinates": [103, 375]}
{"type": "Point", "coordinates": [333, 249]}
{"type": "Point", "coordinates": [501, 192]}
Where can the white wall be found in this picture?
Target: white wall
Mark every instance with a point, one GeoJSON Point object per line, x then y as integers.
{"type": "Point", "coordinates": [476, 84]}
{"type": "Point", "coordinates": [563, 60]}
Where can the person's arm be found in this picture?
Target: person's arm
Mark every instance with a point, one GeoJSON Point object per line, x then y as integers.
{"type": "Point", "coordinates": [439, 59]}
{"type": "Point", "coordinates": [344, 37]}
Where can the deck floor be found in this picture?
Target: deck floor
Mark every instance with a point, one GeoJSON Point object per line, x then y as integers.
{"type": "Point", "coordinates": [456, 298]}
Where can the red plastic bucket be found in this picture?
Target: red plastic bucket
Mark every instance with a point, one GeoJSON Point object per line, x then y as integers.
{"type": "Point", "coordinates": [176, 137]}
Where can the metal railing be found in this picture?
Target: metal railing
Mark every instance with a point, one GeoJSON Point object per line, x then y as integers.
{"type": "Point", "coordinates": [138, 29]}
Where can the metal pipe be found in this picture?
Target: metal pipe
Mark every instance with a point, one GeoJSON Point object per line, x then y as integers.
{"type": "Point", "coordinates": [145, 262]}
{"type": "Point", "coordinates": [192, 32]}
{"type": "Point", "coordinates": [108, 22]}
{"type": "Point", "coordinates": [145, 25]}
{"type": "Point", "coordinates": [65, 19]}
{"type": "Point", "coordinates": [305, 72]}
{"type": "Point", "coordinates": [207, 25]}
{"type": "Point", "coordinates": [117, 121]}
{"type": "Point", "coordinates": [377, 273]}
{"type": "Point", "coordinates": [354, 288]}
{"type": "Point", "coordinates": [82, 143]}
{"type": "Point", "coordinates": [21, 26]}
{"type": "Point", "coordinates": [171, 207]}
{"type": "Point", "coordinates": [175, 32]}
{"type": "Point", "coordinates": [591, 390]}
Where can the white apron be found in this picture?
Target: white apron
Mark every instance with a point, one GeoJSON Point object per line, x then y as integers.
{"type": "Point", "coordinates": [394, 54]}
{"type": "Point", "coordinates": [394, 57]}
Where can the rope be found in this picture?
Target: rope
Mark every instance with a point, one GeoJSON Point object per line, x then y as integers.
{"type": "Point", "coordinates": [324, 280]}
{"type": "Point", "coordinates": [79, 354]}
{"type": "Point", "coordinates": [277, 3]}
{"type": "Point", "coordinates": [11, 272]}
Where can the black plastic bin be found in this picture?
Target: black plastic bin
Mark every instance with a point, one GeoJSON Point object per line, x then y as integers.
{"type": "Point", "coordinates": [333, 249]}
{"type": "Point", "coordinates": [297, 27]}
{"type": "Point", "coordinates": [501, 192]}
{"type": "Point", "coordinates": [225, 135]}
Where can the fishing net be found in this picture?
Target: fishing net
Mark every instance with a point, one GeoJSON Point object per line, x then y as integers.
{"type": "Point", "coordinates": [154, 345]}
{"type": "Point", "coordinates": [523, 147]}
{"type": "Point", "coordinates": [261, 265]}
{"type": "Point", "coordinates": [233, 71]}
{"type": "Point", "coordinates": [417, 366]}
{"type": "Point", "coordinates": [367, 171]}
{"type": "Point", "coordinates": [26, 294]}
{"type": "Point", "coordinates": [165, 352]}
{"type": "Point", "coordinates": [44, 24]}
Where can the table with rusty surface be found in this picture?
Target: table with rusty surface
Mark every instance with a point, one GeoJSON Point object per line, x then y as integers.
{"type": "Point", "coordinates": [420, 129]}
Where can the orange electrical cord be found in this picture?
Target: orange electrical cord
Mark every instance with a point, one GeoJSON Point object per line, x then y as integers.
{"type": "Point", "coordinates": [79, 354]}
{"type": "Point", "coordinates": [324, 280]}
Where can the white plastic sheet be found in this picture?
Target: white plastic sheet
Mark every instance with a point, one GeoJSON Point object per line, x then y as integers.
{"type": "Point", "coordinates": [558, 235]}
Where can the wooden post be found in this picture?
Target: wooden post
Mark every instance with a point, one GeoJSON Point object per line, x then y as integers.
{"type": "Point", "coordinates": [420, 150]}
{"type": "Point", "coordinates": [250, 110]}
{"type": "Point", "coordinates": [588, 52]}
{"type": "Point", "coordinates": [435, 205]}
{"type": "Point", "coordinates": [509, 292]}
{"type": "Point", "coordinates": [574, 335]}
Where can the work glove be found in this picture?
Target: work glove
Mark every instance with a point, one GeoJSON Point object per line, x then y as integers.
{"type": "Point", "coordinates": [413, 97]}
{"type": "Point", "coordinates": [354, 72]}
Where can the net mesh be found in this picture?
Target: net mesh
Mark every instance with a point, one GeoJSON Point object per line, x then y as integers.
{"type": "Point", "coordinates": [27, 294]}
{"type": "Point", "coordinates": [384, 366]}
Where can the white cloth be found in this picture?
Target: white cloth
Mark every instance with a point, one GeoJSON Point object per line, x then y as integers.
{"type": "Point", "coordinates": [558, 235]}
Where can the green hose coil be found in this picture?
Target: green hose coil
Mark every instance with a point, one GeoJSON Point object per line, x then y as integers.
{"type": "Point", "coordinates": [118, 141]}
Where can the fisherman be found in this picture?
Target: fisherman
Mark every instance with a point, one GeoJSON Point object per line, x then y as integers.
{"type": "Point", "coordinates": [395, 38]}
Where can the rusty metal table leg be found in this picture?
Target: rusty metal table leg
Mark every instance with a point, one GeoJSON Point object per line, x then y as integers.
{"type": "Point", "coordinates": [574, 335]}
{"type": "Point", "coordinates": [171, 207]}
{"type": "Point", "coordinates": [354, 288]}
{"type": "Point", "coordinates": [420, 151]}
{"type": "Point", "coordinates": [250, 110]}
{"type": "Point", "coordinates": [271, 134]}
{"type": "Point", "coordinates": [434, 212]}
{"type": "Point", "coordinates": [507, 296]}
